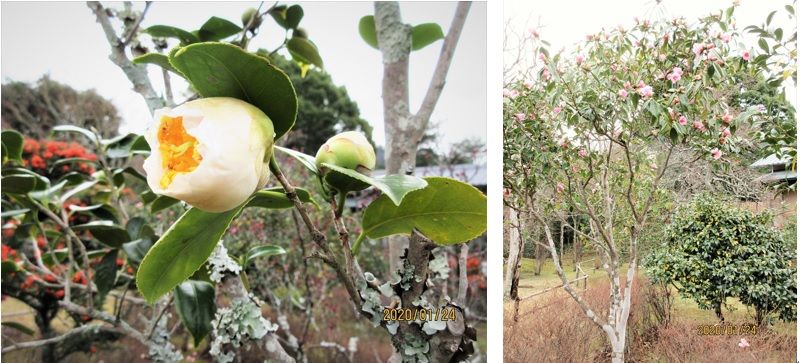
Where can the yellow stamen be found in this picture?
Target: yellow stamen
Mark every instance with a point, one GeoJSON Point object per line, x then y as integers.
{"type": "Point", "coordinates": [178, 149]}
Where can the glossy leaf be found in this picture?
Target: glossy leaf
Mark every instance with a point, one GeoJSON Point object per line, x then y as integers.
{"type": "Point", "coordinates": [12, 144]}
{"type": "Point", "coordinates": [194, 301]}
{"type": "Point", "coordinates": [160, 60]}
{"type": "Point", "coordinates": [447, 211]}
{"type": "Point", "coordinates": [137, 249]}
{"type": "Point", "coordinates": [293, 15]}
{"type": "Point", "coordinates": [425, 34]}
{"type": "Point", "coordinates": [181, 251]}
{"type": "Point", "coordinates": [224, 70]}
{"type": "Point", "coordinates": [72, 128]}
{"type": "Point", "coordinates": [217, 28]}
{"type": "Point", "coordinates": [275, 198]}
{"type": "Point", "coordinates": [18, 184]}
{"type": "Point", "coordinates": [307, 161]}
{"type": "Point", "coordinates": [263, 251]}
{"type": "Point", "coordinates": [304, 51]}
{"type": "Point", "coordinates": [165, 31]}
{"type": "Point", "coordinates": [395, 187]}
{"type": "Point", "coordinates": [106, 274]}
{"type": "Point", "coordinates": [106, 232]}
{"type": "Point", "coordinates": [162, 202]}
{"type": "Point", "coordinates": [367, 31]}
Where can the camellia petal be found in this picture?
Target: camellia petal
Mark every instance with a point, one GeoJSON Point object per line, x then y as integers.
{"type": "Point", "coordinates": [212, 153]}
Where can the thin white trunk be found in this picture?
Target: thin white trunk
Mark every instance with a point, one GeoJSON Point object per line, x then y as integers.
{"type": "Point", "coordinates": [513, 262]}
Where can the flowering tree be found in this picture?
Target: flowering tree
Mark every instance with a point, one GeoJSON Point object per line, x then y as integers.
{"type": "Point", "coordinates": [595, 131]}
{"type": "Point", "coordinates": [215, 156]}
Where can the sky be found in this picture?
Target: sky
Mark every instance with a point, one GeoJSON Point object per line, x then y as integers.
{"type": "Point", "coordinates": [565, 23]}
{"type": "Point", "coordinates": [63, 39]}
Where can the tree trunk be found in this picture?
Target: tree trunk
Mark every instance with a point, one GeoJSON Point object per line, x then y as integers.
{"type": "Point", "coordinates": [515, 252]}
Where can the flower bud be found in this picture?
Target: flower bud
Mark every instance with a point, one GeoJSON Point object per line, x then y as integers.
{"type": "Point", "coordinates": [212, 153]}
{"type": "Point", "coordinates": [349, 150]}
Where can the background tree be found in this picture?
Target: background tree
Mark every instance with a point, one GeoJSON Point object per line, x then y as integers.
{"type": "Point", "coordinates": [34, 109]}
{"type": "Point", "coordinates": [714, 251]}
{"type": "Point", "coordinates": [324, 108]}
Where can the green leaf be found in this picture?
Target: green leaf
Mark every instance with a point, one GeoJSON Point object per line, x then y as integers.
{"type": "Point", "coordinates": [217, 28]}
{"type": "Point", "coordinates": [107, 232]}
{"type": "Point", "coordinates": [778, 33]}
{"type": "Point", "coordinates": [136, 250]}
{"type": "Point", "coordinates": [367, 31]}
{"type": "Point", "coordinates": [194, 301]}
{"type": "Point", "coordinates": [18, 184]}
{"type": "Point", "coordinates": [764, 45]}
{"type": "Point", "coordinates": [304, 51]}
{"type": "Point", "coordinates": [106, 274]}
{"type": "Point", "coordinates": [72, 128]}
{"type": "Point", "coordinates": [263, 251]}
{"type": "Point", "coordinates": [306, 160]}
{"type": "Point", "coordinates": [166, 31]}
{"type": "Point", "coordinates": [425, 34]}
{"type": "Point", "coordinates": [160, 60]}
{"type": "Point", "coordinates": [140, 146]}
{"type": "Point", "coordinates": [12, 144]}
{"type": "Point", "coordinates": [162, 202]}
{"type": "Point", "coordinates": [293, 15]}
{"type": "Point", "coordinates": [790, 9]}
{"type": "Point", "coordinates": [14, 213]}
{"type": "Point", "coordinates": [8, 267]}
{"type": "Point", "coordinates": [275, 198]}
{"type": "Point", "coordinates": [18, 326]}
{"type": "Point", "coordinates": [447, 211]}
{"type": "Point", "coordinates": [181, 251]}
{"type": "Point", "coordinates": [224, 70]}
{"type": "Point", "coordinates": [78, 189]}
{"type": "Point", "coordinates": [137, 227]}
{"type": "Point", "coordinates": [770, 17]}
{"type": "Point", "coordinates": [395, 187]}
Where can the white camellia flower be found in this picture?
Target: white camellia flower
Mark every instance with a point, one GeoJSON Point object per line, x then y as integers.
{"type": "Point", "coordinates": [212, 153]}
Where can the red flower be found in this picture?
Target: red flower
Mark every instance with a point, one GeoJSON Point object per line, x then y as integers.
{"type": "Point", "coordinates": [30, 146]}
{"type": "Point", "coordinates": [37, 162]}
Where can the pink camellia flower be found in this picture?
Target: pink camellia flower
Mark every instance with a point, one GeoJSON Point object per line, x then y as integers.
{"type": "Point", "coordinates": [698, 125]}
{"type": "Point", "coordinates": [726, 118]}
{"type": "Point", "coordinates": [662, 57]}
{"type": "Point", "coordinates": [678, 71]}
{"type": "Point", "coordinates": [726, 132]}
{"type": "Point", "coordinates": [627, 85]}
{"type": "Point", "coordinates": [622, 93]}
{"type": "Point", "coordinates": [743, 343]}
{"type": "Point", "coordinates": [543, 58]}
{"type": "Point", "coordinates": [520, 116]}
{"type": "Point", "coordinates": [560, 187]}
{"type": "Point", "coordinates": [674, 77]}
{"type": "Point", "coordinates": [557, 110]}
{"type": "Point", "coordinates": [579, 59]}
{"type": "Point", "coordinates": [546, 74]}
{"type": "Point", "coordinates": [640, 84]}
{"type": "Point", "coordinates": [528, 84]}
{"type": "Point", "coordinates": [725, 38]}
{"type": "Point", "coordinates": [698, 48]}
{"type": "Point", "coordinates": [582, 153]}
{"type": "Point", "coordinates": [507, 92]}
{"type": "Point", "coordinates": [746, 56]}
{"type": "Point", "coordinates": [682, 120]}
{"type": "Point", "coordinates": [646, 91]}
{"type": "Point", "coordinates": [716, 153]}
